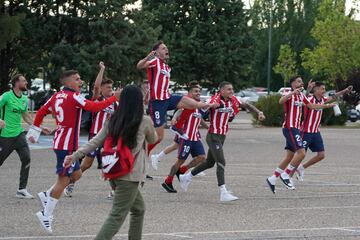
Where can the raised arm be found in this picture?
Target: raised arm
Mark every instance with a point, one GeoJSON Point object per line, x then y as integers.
{"type": "Point", "coordinates": [93, 106]}
{"type": "Point", "coordinates": [340, 93]}
{"type": "Point", "coordinates": [99, 79]}
{"type": "Point", "coordinates": [146, 62]}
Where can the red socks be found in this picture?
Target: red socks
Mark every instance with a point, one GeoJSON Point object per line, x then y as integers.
{"type": "Point", "coordinates": [152, 146]}
{"type": "Point", "coordinates": [169, 179]}
{"type": "Point", "coordinates": [183, 169]}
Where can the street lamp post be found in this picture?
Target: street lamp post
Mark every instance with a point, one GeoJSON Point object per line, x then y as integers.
{"type": "Point", "coordinates": [269, 49]}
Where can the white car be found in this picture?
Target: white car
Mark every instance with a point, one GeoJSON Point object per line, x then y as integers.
{"type": "Point", "coordinates": [247, 96]}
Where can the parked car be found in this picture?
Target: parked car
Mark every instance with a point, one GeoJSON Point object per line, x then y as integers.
{"type": "Point", "coordinates": [353, 114]}
{"type": "Point", "coordinates": [247, 96]}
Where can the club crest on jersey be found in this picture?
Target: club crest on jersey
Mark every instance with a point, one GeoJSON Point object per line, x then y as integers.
{"type": "Point", "coordinates": [166, 73]}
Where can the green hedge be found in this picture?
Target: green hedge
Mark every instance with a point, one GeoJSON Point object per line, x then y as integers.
{"type": "Point", "coordinates": [274, 113]}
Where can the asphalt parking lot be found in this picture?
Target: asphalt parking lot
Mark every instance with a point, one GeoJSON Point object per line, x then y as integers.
{"type": "Point", "coordinates": [325, 206]}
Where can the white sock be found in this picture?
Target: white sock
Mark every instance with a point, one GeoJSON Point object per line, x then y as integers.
{"type": "Point", "coordinates": [279, 170]}
{"type": "Point", "coordinates": [290, 168]}
{"type": "Point", "coordinates": [284, 175]}
{"type": "Point", "coordinates": [50, 206]}
{"type": "Point", "coordinates": [222, 188]}
{"type": "Point", "coordinates": [161, 155]}
{"type": "Point", "coordinates": [272, 179]}
{"type": "Point", "coordinates": [301, 167]}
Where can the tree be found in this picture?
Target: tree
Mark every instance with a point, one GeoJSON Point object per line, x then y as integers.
{"type": "Point", "coordinates": [338, 51]}
{"type": "Point", "coordinates": [286, 65]}
{"type": "Point", "coordinates": [76, 35]}
{"type": "Point", "coordinates": [208, 40]}
{"type": "Point", "coordinates": [292, 23]}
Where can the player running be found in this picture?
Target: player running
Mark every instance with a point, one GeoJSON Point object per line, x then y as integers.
{"type": "Point", "coordinates": [13, 108]}
{"type": "Point", "coordinates": [295, 152]}
{"type": "Point", "coordinates": [67, 106]}
{"type": "Point", "coordinates": [158, 74]}
{"type": "Point", "coordinates": [311, 135]}
{"type": "Point", "coordinates": [102, 90]}
{"type": "Point", "coordinates": [179, 121]}
{"type": "Point", "coordinates": [219, 124]}
{"type": "Point", "coordinates": [192, 145]}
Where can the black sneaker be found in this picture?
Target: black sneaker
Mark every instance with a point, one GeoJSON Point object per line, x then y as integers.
{"type": "Point", "coordinates": [168, 187]}
{"type": "Point", "coordinates": [149, 177]}
{"type": "Point", "coordinates": [272, 187]}
{"type": "Point", "coordinates": [287, 183]}
{"type": "Point", "coordinates": [178, 174]}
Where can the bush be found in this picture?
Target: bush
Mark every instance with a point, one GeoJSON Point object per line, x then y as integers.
{"type": "Point", "coordinates": [329, 119]}
{"type": "Point", "coordinates": [274, 113]}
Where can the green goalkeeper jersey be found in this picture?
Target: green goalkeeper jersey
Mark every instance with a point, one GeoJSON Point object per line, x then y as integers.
{"type": "Point", "coordinates": [11, 109]}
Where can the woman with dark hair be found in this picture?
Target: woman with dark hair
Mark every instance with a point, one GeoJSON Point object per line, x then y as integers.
{"type": "Point", "coordinates": [136, 130]}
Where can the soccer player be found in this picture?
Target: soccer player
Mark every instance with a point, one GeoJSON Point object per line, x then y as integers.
{"type": "Point", "coordinates": [193, 145]}
{"type": "Point", "coordinates": [101, 91]}
{"type": "Point", "coordinates": [295, 152]}
{"type": "Point", "coordinates": [179, 120]}
{"type": "Point", "coordinates": [219, 119]}
{"type": "Point", "coordinates": [312, 138]}
{"type": "Point", "coordinates": [158, 73]}
{"type": "Point", "coordinates": [67, 106]}
{"type": "Point", "coordinates": [13, 108]}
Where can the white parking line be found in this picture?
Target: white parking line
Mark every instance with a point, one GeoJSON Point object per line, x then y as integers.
{"type": "Point", "coordinates": [184, 234]}
{"type": "Point", "coordinates": [313, 208]}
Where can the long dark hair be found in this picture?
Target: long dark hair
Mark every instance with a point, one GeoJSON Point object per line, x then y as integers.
{"type": "Point", "coordinates": [126, 119]}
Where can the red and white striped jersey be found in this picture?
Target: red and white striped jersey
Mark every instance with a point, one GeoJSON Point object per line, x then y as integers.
{"type": "Point", "coordinates": [219, 117]}
{"type": "Point", "coordinates": [191, 127]}
{"type": "Point", "coordinates": [67, 106]}
{"type": "Point", "coordinates": [312, 117]}
{"type": "Point", "coordinates": [99, 118]}
{"type": "Point", "coordinates": [293, 110]}
{"type": "Point", "coordinates": [158, 74]}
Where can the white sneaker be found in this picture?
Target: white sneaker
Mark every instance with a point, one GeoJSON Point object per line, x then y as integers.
{"type": "Point", "coordinates": [201, 174]}
{"type": "Point", "coordinates": [292, 182]}
{"type": "Point", "coordinates": [69, 190]}
{"type": "Point", "coordinates": [185, 181]}
{"type": "Point", "coordinates": [154, 161]}
{"type": "Point", "coordinates": [300, 173]}
{"type": "Point", "coordinates": [226, 196]}
{"type": "Point", "coordinates": [43, 198]}
{"type": "Point", "coordinates": [285, 178]}
{"type": "Point", "coordinates": [111, 195]}
{"type": "Point", "coordinates": [23, 193]}
{"type": "Point", "coordinates": [45, 221]}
